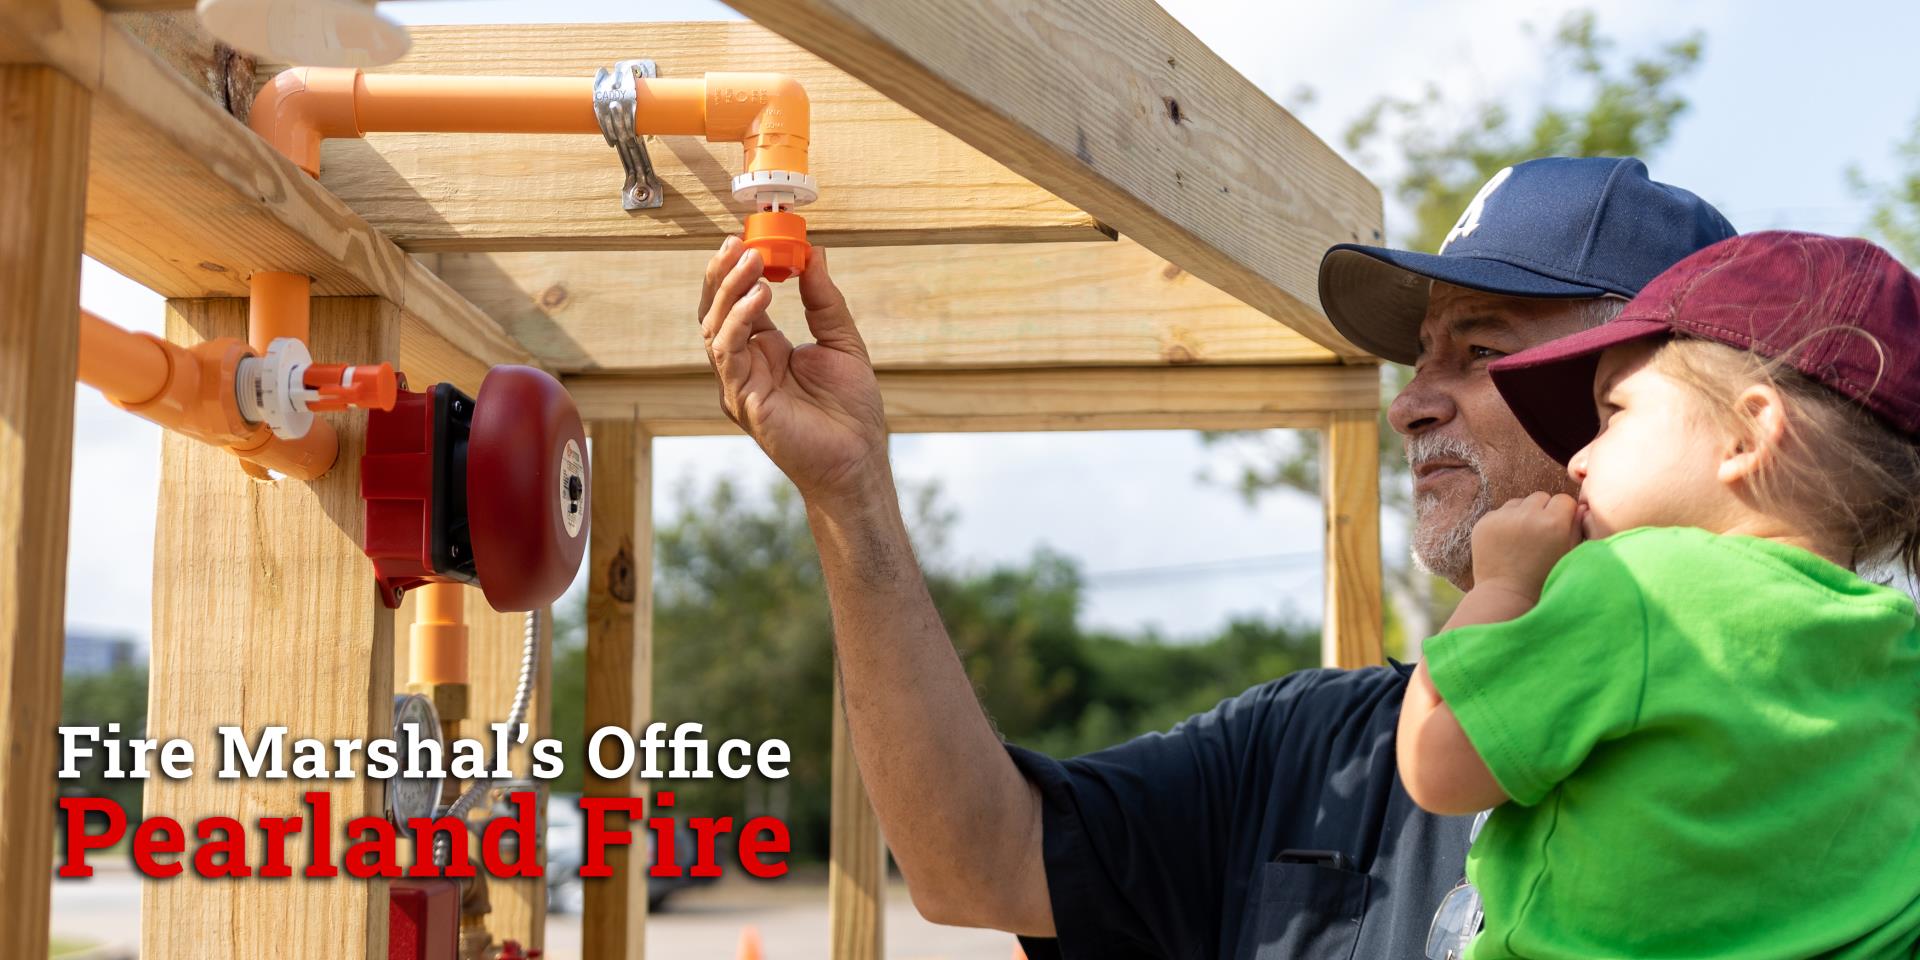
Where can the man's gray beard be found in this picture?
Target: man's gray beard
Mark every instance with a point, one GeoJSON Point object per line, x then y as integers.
{"type": "Point", "coordinates": [1446, 552]}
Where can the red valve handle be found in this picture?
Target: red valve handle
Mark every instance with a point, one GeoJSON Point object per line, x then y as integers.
{"type": "Point", "coordinates": [341, 385]}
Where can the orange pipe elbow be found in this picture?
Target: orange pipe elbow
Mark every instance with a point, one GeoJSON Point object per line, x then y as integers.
{"type": "Point", "coordinates": [438, 651]}
{"type": "Point", "coordinates": [767, 113]}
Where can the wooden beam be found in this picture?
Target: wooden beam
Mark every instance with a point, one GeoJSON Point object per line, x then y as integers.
{"type": "Point", "coordinates": [266, 613]}
{"type": "Point", "coordinates": [43, 159]}
{"type": "Point", "coordinates": [619, 663]}
{"type": "Point", "coordinates": [887, 177]}
{"type": "Point", "coordinates": [64, 34]}
{"type": "Point", "coordinates": [188, 202]}
{"type": "Point", "coordinates": [1352, 635]}
{"type": "Point", "coordinates": [973, 306]}
{"type": "Point", "coordinates": [1119, 110]}
{"type": "Point", "coordinates": [177, 37]}
{"type": "Point", "coordinates": [1138, 398]}
{"type": "Point", "coordinates": [857, 860]}
{"type": "Point", "coordinates": [496, 643]}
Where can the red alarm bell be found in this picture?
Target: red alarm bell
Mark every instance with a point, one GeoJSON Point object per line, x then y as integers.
{"type": "Point", "coordinates": [489, 490]}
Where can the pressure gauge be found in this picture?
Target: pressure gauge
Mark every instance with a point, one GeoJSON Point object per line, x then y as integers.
{"type": "Point", "coordinates": [414, 719]}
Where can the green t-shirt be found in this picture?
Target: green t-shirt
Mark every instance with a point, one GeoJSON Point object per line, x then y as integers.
{"type": "Point", "coordinates": [1713, 748]}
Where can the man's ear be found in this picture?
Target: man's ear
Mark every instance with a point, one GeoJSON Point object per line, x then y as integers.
{"type": "Point", "coordinates": [1762, 412]}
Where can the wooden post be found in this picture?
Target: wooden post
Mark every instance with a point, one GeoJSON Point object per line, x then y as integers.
{"type": "Point", "coordinates": [857, 874]}
{"type": "Point", "coordinates": [1351, 477]}
{"type": "Point", "coordinates": [496, 643]}
{"type": "Point", "coordinates": [43, 182]}
{"type": "Point", "coordinates": [265, 613]}
{"type": "Point", "coordinates": [619, 663]}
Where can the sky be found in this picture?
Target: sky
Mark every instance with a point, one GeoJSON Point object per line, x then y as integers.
{"type": "Point", "coordinates": [1788, 97]}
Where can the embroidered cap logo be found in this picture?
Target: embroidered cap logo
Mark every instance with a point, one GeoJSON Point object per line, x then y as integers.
{"type": "Point", "coordinates": [1470, 217]}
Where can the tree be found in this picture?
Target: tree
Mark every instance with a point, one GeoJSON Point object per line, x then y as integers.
{"type": "Point", "coordinates": [742, 642]}
{"type": "Point", "coordinates": [1617, 107]}
{"type": "Point", "coordinates": [117, 696]}
{"type": "Point", "coordinates": [1895, 216]}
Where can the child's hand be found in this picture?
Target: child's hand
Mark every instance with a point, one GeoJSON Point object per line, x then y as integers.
{"type": "Point", "coordinates": [1516, 545]}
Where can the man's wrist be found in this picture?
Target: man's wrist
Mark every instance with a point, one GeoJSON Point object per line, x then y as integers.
{"type": "Point", "coordinates": [864, 493]}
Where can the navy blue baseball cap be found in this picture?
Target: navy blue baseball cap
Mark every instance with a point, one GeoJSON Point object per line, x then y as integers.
{"type": "Point", "coordinates": [1558, 228]}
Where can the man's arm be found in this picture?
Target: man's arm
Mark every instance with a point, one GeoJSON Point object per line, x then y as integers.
{"type": "Point", "coordinates": [963, 824]}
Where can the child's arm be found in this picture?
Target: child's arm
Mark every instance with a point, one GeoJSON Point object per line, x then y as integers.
{"type": "Point", "coordinates": [1514, 547]}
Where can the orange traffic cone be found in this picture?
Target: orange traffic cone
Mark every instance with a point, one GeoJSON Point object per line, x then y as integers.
{"type": "Point", "coordinates": [749, 944]}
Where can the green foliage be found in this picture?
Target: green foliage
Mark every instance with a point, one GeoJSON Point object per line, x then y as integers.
{"type": "Point", "coordinates": [95, 700]}
{"type": "Point", "coordinates": [1895, 217]}
{"type": "Point", "coordinates": [742, 642]}
{"type": "Point", "coordinates": [1447, 152]}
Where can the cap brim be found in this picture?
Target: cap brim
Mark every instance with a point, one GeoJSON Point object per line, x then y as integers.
{"type": "Point", "coordinates": [1549, 388]}
{"type": "Point", "coordinates": [1377, 297]}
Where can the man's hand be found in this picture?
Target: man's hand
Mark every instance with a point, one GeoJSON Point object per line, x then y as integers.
{"type": "Point", "coordinates": [815, 408]}
{"type": "Point", "coordinates": [1515, 546]}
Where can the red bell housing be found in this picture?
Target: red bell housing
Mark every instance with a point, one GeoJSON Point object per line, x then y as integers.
{"type": "Point", "coordinates": [490, 491]}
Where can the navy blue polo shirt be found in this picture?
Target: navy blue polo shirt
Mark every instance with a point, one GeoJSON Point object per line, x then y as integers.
{"type": "Point", "coordinates": [1169, 845]}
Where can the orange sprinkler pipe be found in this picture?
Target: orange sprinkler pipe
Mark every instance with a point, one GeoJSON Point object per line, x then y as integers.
{"type": "Point", "coordinates": [303, 106]}
{"type": "Point", "coordinates": [767, 113]}
{"type": "Point", "coordinates": [191, 390]}
{"type": "Point", "coordinates": [278, 305]}
{"type": "Point", "coordinates": [438, 652]}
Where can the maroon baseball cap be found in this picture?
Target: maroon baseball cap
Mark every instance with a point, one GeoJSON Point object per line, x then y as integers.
{"type": "Point", "coordinates": [1838, 309]}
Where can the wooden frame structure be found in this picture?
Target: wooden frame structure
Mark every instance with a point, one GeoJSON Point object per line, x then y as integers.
{"type": "Point", "coordinates": [970, 124]}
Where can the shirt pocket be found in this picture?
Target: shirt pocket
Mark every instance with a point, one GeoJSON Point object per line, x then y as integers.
{"type": "Point", "coordinates": [1308, 912]}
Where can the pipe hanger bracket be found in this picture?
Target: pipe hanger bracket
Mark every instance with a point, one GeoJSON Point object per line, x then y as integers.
{"type": "Point", "coordinates": [615, 91]}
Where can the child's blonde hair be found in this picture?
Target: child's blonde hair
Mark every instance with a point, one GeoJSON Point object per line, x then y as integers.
{"type": "Point", "coordinates": [1840, 466]}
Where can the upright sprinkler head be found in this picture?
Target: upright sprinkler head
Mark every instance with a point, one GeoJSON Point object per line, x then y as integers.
{"type": "Point", "coordinates": [318, 33]}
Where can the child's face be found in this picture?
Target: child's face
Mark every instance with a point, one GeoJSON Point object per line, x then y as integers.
{"type": "Point", "coordinates": [1655, 462]}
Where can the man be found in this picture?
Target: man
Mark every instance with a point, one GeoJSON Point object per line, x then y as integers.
{"type": "Point", "coordinates": [1273, 825]}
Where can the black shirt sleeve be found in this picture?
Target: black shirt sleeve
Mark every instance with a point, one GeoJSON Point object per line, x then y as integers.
{"type": "Point", "coordinates": [1138, 838]}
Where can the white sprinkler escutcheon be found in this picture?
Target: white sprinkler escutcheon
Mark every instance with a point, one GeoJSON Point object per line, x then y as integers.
{"type": "Point", "coordinates": [270, 391]}
{"type": "Point", "coordinates": [775, 190]}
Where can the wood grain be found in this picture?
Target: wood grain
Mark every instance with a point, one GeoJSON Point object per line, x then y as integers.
{"type": "Point", "coordinates": [496, 642]}
{"type": "Point", "coordinates": [886, 176]}
{"type": "Point", "coordinates": [265, 613]}
{"type": "Point", "coordinates": [1352, 636]}
{"type": "Point", "coordinates": [619, 663]}
{"type": "Point", "coordinates": [975, 306]}
{"type": "Point", "coordinates": [857, 860]}
{"type": "Point", "coordinates": [43, 151]}
{"type": "Point", "coordinates": [1118, 109]}
{"type": "Point", "coordinates": [1119, 398]}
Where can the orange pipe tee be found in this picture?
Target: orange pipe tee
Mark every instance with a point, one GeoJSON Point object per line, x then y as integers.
{"type": "Point", "coordinates": [190, 390]}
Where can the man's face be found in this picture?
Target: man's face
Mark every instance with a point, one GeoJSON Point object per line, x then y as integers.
{"type": "Point", "coordinates": [1467, 451]}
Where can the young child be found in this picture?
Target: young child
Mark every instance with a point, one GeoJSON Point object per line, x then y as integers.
{"type": "Point", "coordinates": [1699, 729]}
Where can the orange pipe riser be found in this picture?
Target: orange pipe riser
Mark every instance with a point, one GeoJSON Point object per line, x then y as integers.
{"type": "Point", "coordinates": [278, 305]}
{"type": "Point", "coordinates": [438, 649]}
{"type": "Point", "coordinates": [303, 106]}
